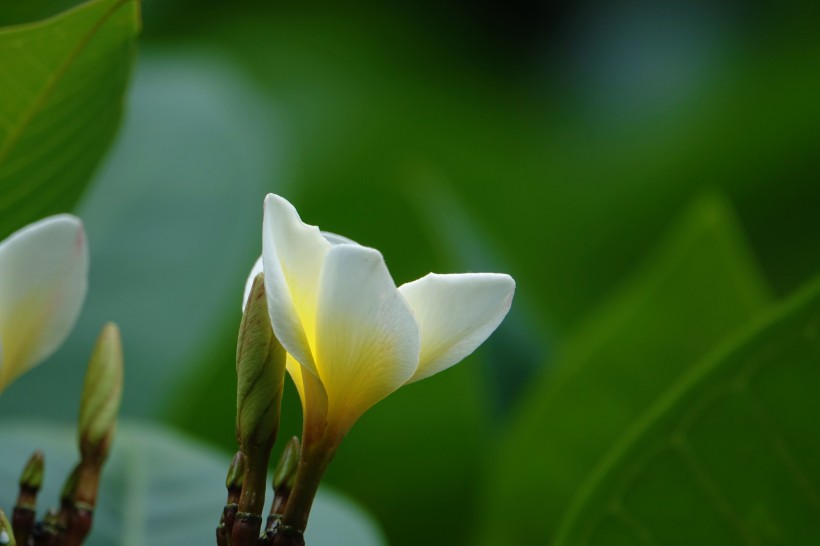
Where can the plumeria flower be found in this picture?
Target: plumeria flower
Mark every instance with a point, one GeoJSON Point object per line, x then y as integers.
{"type": "Point", "coordinates": [43, 281]}
{"type": "Point", "coordinates": [352, 336]}
{"type": "Point", "coordinates": [347, 328]}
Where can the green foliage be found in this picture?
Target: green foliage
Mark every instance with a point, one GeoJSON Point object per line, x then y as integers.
{"type": "Point", "coordinates": [729, 454]}
{"type": "Point", "coordinates": [159, 488]}
{"type": "Point", "coordinates": [574, 195]}
{"type": "Point", "coordinates": [700, 286]}
{"type": "Point", "coordinates": [15, 13]}
{"type": "Point", "coordinates": [392, 127]}
{"type": "Point", "coordinates": [61, 92]}
{"type": "Point", "coordinates": [174, 224]}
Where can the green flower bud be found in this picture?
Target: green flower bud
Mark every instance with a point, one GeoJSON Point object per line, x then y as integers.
{"type": "Point", "coordinates": [260, 371]}
{"type": "Point", "coordinates": [283, 479]}
{"type": "Point", "coordinates": [24, 514]}
{"type": "Point", "coordinates": [102, 392]}
{"type": "Point", "coordinates": [236, 473]}
{"type": "Point", "coordinates": [32, 476]}
{"type": "Point", "coordinates": [285, 473]}
{"type": "Point", "coordinates": [70, 486]}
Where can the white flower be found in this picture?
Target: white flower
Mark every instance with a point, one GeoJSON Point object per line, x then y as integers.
{"type": "Point", "coordinates": [43, 280]}
{"type": "Point", "coordinates": [352, 336]}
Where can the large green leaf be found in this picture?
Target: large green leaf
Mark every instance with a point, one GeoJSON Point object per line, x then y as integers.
{"type": "Point", "coordinates": [174, 221]}
{"type": "Point", "coordinates": [159, 488]}
{"type": "Point", "coordinates": [729, 455]}
{"type": "Point", "coordinates": [62, 82]}
{"type": "Point", "coordinates": [15, 13]}
{"type": "Point", "coordinates": [700, 286]}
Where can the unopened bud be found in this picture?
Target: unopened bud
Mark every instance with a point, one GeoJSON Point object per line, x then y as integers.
{"type": "Point", "coordinates": [70, 486]}
{"type": "Point", "coordinates": [236, 473]}
{"type": "Point", "coordinates": [6, 534]}
{"type": "Point", "coordinates": [24, 514]}
{"type": "Point", "coordinates": [285, 473]}
{"type": "Point", "coordinates": [260, 370]}
{"type": "Point", "coordinates": [32, 476]}
{"type": "Point", "coordinates": [102, 392]}
{"type": "Point", "coordinates": [233, 483]}
{"type": "Point", "coordinates": [283, 479]}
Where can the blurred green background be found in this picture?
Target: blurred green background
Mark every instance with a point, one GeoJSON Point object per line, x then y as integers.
{"type": "Point", "coordinates": [647, 173]}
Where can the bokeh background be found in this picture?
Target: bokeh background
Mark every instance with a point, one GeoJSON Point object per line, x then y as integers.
{"type": "Point", "coordinates": [559, 142]}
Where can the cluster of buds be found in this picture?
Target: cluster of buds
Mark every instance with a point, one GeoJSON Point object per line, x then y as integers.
{"type": "Point", "coordinates": [260, 371]}
{"type": "Point", "coordinates": [70, 524]}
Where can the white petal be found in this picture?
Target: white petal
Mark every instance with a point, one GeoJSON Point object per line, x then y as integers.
{"type": "Point", "coordinates": [367, 338]}
{"type": "Point", "coordinates": [255, 270]}
{"type": "Point", "coordinates": [43, 281]}
{"type": "Point", "coordinates": [456, 313]}
{"type": "Point", "coordinates": [292, 257]}
{"type": "Point", "coordinates": [336, 239]}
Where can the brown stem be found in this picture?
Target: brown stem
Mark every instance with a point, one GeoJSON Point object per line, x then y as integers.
{"type": "Point", "coordinates": [79, 525]}
{"type": "Point", "coordinates": [248, 522]}
{"type": "Point", "coordinates": [225, 529]}
{"type": "Point", "coordinates": [77, 511]}
{"type": "Point", "coordinates": [221, 538]}
{"type": "Point", "coordinates": [288, 536]}
{"type": "Point", "coordinates": [246, 529]}
{"type": "Point", "coordinates": [312, 466]}
{"type": "Point", "coordinates": [25, 511]}
{"type": "Point", "coordinates": [22, 522]}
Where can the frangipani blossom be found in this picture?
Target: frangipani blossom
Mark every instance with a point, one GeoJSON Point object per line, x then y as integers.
{"type": "Point", "coordinates": [43, 280]}
{"type": "Point", "coordinates": [351, 335]}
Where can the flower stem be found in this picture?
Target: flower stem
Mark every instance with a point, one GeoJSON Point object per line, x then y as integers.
{"type": "Point", "coordinates": [248, 520]}
{"type": "Point", "coordinates": [314, 462]}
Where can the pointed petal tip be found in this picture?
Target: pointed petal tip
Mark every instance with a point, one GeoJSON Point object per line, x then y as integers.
{"type": "Point", "coordinates": [110, 329]}
{"type": "Point", "coordinates": [273, 200]}
{"type": "Point", "coordinates": [456, 313]}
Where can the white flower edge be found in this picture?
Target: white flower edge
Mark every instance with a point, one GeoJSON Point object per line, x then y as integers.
{"type": "Point", "coordinates": [456, 313]}
{"type": "Point", "coordinates": [43, 282]}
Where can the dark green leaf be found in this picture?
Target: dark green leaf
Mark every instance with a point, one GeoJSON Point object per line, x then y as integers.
{"type": "Point", "coordinates": [728, 455]}
{"type": "Point", "coordinates": [700, 286]}
{"type": "Point", "coordinates": [14, 13]}
{"type": "Point", "coordinates": [174, 223]}
{"type": "Point", "coordinates": [62, 82]}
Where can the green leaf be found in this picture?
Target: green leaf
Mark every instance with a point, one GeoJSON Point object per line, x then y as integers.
{"type": "Point", "coordinates": [729, 455]}
{"type": "Point", "coordinates": [158, 488]}
{"type": "Point", "coordinates": [700, 286]}
{"type": "Point", "coordinates": [15, 13]}
{"type": "Point", "coordinates": [174, 221]}
{"type": "Point", "coordinates": [62, 83]}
